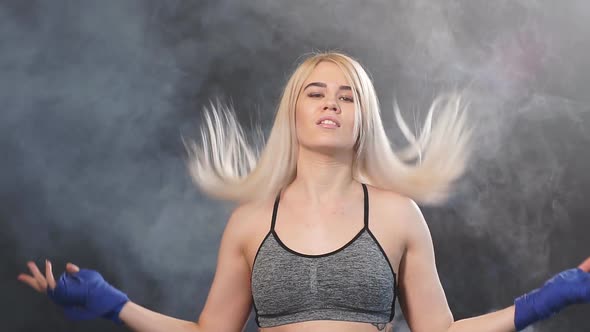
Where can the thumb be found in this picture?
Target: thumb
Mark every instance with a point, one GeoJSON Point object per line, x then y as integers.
{"type": "Point", "coordinates": [71, 268]}
{"type": "Point", "coordinates": [585, 266]}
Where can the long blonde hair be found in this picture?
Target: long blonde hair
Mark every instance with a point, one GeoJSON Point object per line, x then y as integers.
{"type": "Point", "coordinates": [227, 167]}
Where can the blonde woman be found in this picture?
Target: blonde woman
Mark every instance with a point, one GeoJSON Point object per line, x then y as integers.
{"type": "Point", "coordinates": [327, 234]}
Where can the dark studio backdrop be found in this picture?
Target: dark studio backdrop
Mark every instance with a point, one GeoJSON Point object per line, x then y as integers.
{"type": "Point", "coordinates": [96, 95]}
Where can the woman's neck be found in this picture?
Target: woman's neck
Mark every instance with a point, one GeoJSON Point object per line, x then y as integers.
{"type": "Point", "coordinates": [322, 178]}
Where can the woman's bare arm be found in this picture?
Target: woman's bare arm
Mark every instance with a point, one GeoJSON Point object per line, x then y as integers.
{"type": "Point", "coordinates": [228, 303]}
{"type": "Point", "coordinates": [498, 321]}
{"type": "Point", "coordinates": [140, 319]}
{"type": "Point", "coordinates": [424, 304]}
{"type": "Point", "coordinates": [423, 300]}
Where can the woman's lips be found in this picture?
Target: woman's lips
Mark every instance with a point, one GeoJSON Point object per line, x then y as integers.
{"type": "Point", "coordinates": [328, 125]}
{"type": "Point", "coordinates": [328, 122]}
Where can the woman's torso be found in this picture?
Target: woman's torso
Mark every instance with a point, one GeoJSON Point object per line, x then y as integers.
{"type": "Point", "coordinates": [318, 232]}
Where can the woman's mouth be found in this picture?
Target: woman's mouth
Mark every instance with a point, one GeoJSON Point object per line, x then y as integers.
{"type": "Point", "coordinates": [328, 123]}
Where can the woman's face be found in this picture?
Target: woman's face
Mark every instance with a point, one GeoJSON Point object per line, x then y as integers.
{"type": "Point", "coordinates": [324, 114]}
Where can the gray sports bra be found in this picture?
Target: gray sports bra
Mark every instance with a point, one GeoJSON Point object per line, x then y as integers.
{"type": "Point", "coordinates": [353, 283]}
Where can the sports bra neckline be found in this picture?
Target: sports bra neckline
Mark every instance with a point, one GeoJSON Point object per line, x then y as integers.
{"type": "Point", "coordinates": [358, 234]}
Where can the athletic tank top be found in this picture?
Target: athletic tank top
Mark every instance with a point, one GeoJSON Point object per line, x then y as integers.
{"type": "Point", "coordinates": [353, 283]}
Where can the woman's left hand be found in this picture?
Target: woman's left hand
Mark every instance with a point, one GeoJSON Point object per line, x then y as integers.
{"type": "Point", "coordinates": [567, 287]}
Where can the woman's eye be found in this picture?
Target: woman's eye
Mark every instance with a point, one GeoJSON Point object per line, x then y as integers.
{"type": "Point", "coordinates": [321, 95]}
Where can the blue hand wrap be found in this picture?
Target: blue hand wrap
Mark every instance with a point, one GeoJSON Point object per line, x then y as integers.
{"type": "Point", "coordinates": [86, 295]}
{"type": "Point", "coordinates": [568, 287]}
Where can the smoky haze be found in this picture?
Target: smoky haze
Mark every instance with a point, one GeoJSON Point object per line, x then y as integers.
{"type": "Point", "coordinates": [96, 96]}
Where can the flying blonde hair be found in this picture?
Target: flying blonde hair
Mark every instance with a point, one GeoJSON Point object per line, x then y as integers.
{"type": "Point", "coordinates": [227, 167]}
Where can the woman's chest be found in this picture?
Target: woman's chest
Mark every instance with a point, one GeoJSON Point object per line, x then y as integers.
{"type": "Point", "coordinates": [301, 235]}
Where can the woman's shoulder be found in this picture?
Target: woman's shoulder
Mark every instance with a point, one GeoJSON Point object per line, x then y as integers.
{"type": "Point", "coordinates": [252, 209]}
{"type": "Point", "coordinates": [393, 209]}
{"type": "Point", "coordinates": [387, 199]}
{"type": "Point", "coordinates": [248, 217]}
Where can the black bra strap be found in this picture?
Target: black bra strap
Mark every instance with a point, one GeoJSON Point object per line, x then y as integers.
{"type": "Point", "coordinates": [366, 194]}
{"type": "Point", "coordinates": [274, 212]}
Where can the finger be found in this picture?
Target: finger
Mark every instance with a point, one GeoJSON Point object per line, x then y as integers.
{"type": "Point", "coordinates": [27, 279]}
{"type": "Point", "coordinates": [37, 274]}
{"type": "Point", "coordinates": [585, 266]}
{"type": "Point", "coordinates": [72, 268]}
{"type": "Point", "coordinates": [49, 274]}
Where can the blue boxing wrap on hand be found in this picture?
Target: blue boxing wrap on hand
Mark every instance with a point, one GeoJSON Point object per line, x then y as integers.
{"type": "Point", "coordinates": [568, 287]}
{"type": "Point", "coordinates": [86, 295]}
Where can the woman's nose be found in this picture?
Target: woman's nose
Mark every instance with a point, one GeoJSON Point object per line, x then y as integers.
{"type": "Point", "coordinates": [332, 105]}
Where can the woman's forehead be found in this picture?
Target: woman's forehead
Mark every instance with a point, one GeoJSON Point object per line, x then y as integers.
{"type": "Point", "coordinates": [328, 73]}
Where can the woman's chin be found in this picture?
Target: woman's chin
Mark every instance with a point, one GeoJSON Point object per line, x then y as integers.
{"type": "Point", "coordinates": [329, 148]}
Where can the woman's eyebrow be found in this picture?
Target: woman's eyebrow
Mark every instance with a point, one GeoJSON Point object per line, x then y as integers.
{"type": "Point", "coordinates": [323, 85]}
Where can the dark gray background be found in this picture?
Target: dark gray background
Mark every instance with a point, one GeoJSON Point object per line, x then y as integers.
{"type": "Point", "coordinates": [95, 96]}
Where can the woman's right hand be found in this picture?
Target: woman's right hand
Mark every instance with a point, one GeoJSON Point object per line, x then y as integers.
{"type": "Point", "coordinates": [82, 293]}
{"type": "Point", "coordinates": [40, 282]}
